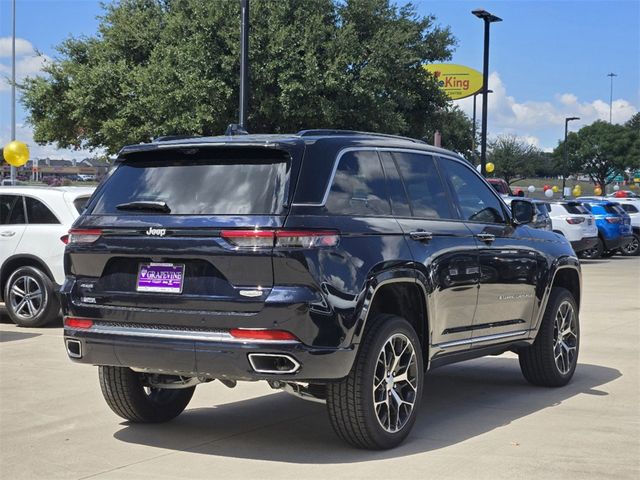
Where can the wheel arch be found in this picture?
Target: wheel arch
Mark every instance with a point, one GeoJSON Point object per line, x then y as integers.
{"type": "Point", "coordinates": [21, 260]}
{"type": "Point", "coordinates": [397, 292]}
{"type": "Point", "coordinates": [565, 273]}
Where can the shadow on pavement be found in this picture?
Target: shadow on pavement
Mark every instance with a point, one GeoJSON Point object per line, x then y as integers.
{"type": "Point", "coordinates": [4, 318]}
{"type": "Point", "coordinates": [11, 336]}
{"type": "Point", "coordinates": [460, 402]}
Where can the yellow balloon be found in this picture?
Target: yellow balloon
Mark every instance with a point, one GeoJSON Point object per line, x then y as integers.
{"type": "Point", "coordinates": [597, 191]}
{"type": "Point", "coordinates": [490, 167]}
{"type": "Point", "coordinates": [16, 153]}
{"type": "Point", "coordinates": [577, 191]}
{"type": "Point", "coordinates": [555, 189]}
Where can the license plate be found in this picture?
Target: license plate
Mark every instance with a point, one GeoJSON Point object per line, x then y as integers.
{"type": "Point", "coordinates": [160, 277]}
{"type": "Point", "coordinates": [589, 221]}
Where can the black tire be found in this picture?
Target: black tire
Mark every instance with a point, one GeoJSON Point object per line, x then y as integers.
{"type": "Point", "coordinates": [539, 362]}
{"type": "Point", "coordinates": [593, 252]}
{"type": "Point", "coordinates": [39, 306]}
{"type": "Point", "coordinates": [350, 402]}
{"type": "Point", "coordinates": [126, 394]}
{"type": "Point", "coordinates": [631, 249]}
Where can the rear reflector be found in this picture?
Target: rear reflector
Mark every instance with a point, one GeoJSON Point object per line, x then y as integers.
{"type": "Point", "coordinates": [261, 334]}
{"type": "Point", "coordinates": [280, 238]}
{"type": "Point", "coordinates": [72, 322]}
{"type": "Point", "coordinates": [77, 235]}
{"type": "Point", "coordinates": [65, 239]}
{"type": "Point", "coordinates": [575, 220]}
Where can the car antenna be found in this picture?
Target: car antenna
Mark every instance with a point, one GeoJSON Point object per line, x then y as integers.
{"type": "Point", "coordinates": [234, 129]}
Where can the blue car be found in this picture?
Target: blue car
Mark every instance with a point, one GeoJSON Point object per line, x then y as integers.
{"type": "Point", "coordinates": [614, 227]}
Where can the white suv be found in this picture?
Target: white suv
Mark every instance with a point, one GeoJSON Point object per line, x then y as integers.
{"type": "Point", "coordinates": [575, 222]}
{"type": "Point", "coordinates": [34, 222]}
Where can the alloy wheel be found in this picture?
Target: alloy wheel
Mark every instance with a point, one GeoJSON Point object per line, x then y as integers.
{"type": "Point", "coordinates": [395, 383]}
{"type": "Point", "coordinates": [631, 248]}
{"type": "Point", "coordinates": [565, 338]}
{"type": "Point", "coordinates": [26, 297]}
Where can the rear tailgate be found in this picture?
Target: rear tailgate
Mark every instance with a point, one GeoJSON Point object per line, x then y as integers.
{"type": "Point", "coordinates": [129, 254]}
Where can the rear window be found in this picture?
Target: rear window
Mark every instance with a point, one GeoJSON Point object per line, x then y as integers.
{"type": "Point", "coordinates": [629, 208]}
{"type": "Point", "coordinates": [612, 209]}
{"type": "Point", "coordinates": [221, 182]}
{"type": "Point", "coordinates": [576, 208]}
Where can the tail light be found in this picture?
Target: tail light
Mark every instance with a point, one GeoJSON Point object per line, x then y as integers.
{"type": "Point", "coordinates": [280, 238]}
{"type": "Point", "coordinates": [65, 239]}
{"type": "Point", "coordinates": [575, 220]}
{"type": "Point", "coordinates": [612, 219]}
{"type": "Point", "coordinates": [249, 238]}
{"type": "Point", "coordinates": [81, 323]}
{"type": "Point", "coordinates": [306, 239]}
{"type": "Point", "coordinates": [262, 334]}
{"type": "Point", "coordinates": [78, 235]}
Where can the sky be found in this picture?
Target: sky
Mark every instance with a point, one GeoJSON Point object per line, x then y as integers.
{"type": "Point", "coordinates": [548, 59]}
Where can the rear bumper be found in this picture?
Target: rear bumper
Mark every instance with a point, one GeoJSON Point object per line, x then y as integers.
{"type": "Point", "coordinates": [617, 242]}
{"type": "Point", "coordinates": [584, 243]}
{"type": "Point", "coordinates": [206, 357]}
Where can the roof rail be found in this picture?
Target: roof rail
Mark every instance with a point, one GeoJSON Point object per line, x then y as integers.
{"type": "Point", "coordinates": [168, 138]}
{"type": "Point", "coordinates": [327, 131]}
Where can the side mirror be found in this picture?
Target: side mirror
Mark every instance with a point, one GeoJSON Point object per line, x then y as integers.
{"type": "Point", "coordinates": [522, 212]}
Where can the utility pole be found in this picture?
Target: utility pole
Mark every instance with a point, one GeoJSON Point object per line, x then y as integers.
{"type": "Point", "coordinates": [13, 87]}
{"type": "Point", "coordinates": [611, 75]}
{"type": "Point", "coordinates": [244, 62]}
{"type": "Point", "coordinates": [564, 167]}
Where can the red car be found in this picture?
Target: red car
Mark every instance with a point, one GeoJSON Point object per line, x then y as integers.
{"type": "Point", "coordinates": [501, 186]}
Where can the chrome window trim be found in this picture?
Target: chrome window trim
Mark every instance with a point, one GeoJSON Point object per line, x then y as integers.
{"type": "Point", "coordinates": [344, 151]}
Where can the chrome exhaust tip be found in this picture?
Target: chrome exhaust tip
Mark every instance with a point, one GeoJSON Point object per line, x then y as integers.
{"type": "Point", "coordinates": [74, 348]}
{"type": "Point", "coordinates": [274, 363]}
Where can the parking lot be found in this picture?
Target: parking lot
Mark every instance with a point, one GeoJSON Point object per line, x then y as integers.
{"type": "Point", "coordinates": [478, 419]}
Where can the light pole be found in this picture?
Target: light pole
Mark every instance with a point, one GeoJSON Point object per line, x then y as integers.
{"type": "Point", "coordinates": [473, 141]}
{"type": "Point", "coordinates": [488, 19]}
{"type": "Point", "coordinates": [244, 62]}
{"type": "Point", "coordinates": [611, 75]}
{"type": "Point", "coordinates": [13, 86]}
{"type": "Point", "coordinates": [564, 166]}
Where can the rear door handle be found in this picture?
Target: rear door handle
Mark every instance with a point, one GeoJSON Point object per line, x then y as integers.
{"type": "Point", "coordinates": [486, 237]}
{"type": "Point", "coordinates": [7, 234]}
{"type": "Point", "coordinates": [421, 236]}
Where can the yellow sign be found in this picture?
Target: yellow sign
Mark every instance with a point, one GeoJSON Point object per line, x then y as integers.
{"type": "Point", "coordinates": [457, 81]}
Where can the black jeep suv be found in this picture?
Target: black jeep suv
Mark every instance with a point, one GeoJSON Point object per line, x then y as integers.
{"type": "Point", "coordinates": [339, 266]}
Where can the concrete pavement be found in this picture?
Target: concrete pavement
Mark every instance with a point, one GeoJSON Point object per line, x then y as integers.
{"type": "Point", "coordinates": [478, 419]}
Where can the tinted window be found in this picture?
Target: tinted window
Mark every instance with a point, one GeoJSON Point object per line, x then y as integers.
{"type": "Point", "coordinates": [629, 208]}
{"type": "Point", "coordinates": [236, 182]}
{"type": "Point", "coordinates": [477, 202]}
{"type": "Point", "coordinates": [11, 210]}
{"type": "Point", "coordinates": [542, 209]}
{"type": "Point", "coordinates": [38, 212]}
{"type": "Point", "coordinates": [359, 186]}
{"type": "Point", "coordinates": [575, 208]}
{"type": "Point", "coordinates": [423, 185]}
{"type": "Point", "coordinates": [397, 192]}
{"type": "Point", "coordinates": [611, 209]}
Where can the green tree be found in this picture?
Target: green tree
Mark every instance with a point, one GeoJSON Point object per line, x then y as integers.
{"type": "Point", "coordinates": [456, 130]}
{"type": "Point", "coordinates": [600, 150]}
{"type": "Point", "coordinates": [160, 67]}
{"type": "Point", "coordinates": [514, 158]}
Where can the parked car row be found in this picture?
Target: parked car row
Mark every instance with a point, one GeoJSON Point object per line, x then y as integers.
{"type": "Point", "coordinates": [595, 226]}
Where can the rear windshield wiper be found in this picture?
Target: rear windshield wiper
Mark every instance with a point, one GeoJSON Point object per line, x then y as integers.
{"type": "Point", "coordinates": [145, 205]}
